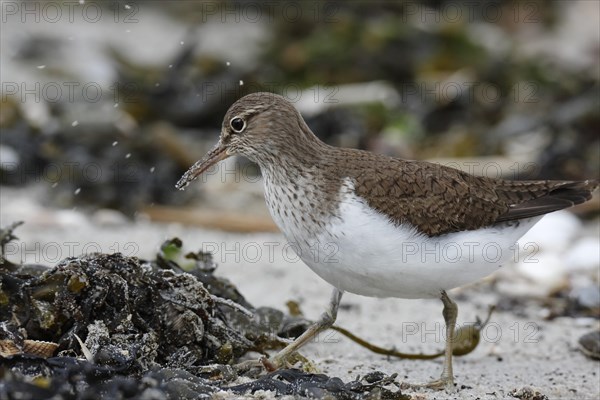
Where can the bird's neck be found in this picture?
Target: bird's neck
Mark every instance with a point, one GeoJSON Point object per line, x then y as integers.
{"type": "Point", "coordinates": [293, 157]}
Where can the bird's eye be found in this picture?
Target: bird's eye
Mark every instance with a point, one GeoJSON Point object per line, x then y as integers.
{"type": "Point", "coordinates": [237, 124]}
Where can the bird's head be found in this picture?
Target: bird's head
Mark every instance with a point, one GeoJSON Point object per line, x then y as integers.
{"type": "Point", "coordinates": [260, 126]}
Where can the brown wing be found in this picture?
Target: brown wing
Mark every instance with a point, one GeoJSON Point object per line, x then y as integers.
{"type": "Point", "coordinates": [439, 200]}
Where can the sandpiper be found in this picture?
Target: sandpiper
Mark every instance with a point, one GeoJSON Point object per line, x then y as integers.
{"type": "Point", "coordinates": [382, 227]}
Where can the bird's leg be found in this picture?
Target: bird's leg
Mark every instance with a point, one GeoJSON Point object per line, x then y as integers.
{"type": "Point", "coordinates": [325, 322]}
{"type": "Point", "coordinates": [450, 313]}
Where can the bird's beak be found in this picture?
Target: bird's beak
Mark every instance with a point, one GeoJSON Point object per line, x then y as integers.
{"type": "Point", "coordinates": [218, 153]}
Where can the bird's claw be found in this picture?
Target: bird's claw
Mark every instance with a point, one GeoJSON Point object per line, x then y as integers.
{"type": "Point", "coordinates": [287, 361]}
{"type": "Point", "coordinates": [443, 383]}
{"type": "Point", "coordinates": [271, 364]}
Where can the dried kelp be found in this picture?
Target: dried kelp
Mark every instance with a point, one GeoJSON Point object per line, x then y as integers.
{"type": "Point", "coordinates": [126, 306]}
{"type": "Point", "coordinates": [296, 383]}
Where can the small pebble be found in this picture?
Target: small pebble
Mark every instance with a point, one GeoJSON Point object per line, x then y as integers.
{"type": "Point", "coordinates": [590, 344]}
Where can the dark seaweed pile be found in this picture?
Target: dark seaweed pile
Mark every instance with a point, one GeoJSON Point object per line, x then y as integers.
{"type": "Point", "coordinates": [148, 329]}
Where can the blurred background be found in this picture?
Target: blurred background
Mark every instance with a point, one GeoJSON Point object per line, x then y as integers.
{"type": "Point", "coordinates": [104, 105]}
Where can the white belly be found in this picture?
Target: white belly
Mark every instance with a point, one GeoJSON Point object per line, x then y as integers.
{"type": "Point", "coordinates": [364, 253]}
{"type": "Point", "coordinates": [361, 251]}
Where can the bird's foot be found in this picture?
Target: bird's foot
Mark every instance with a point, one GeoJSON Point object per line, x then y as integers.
{"type": "Point", "coordinates": [280, 361]}
{"type": "Point", "coordinates": [272, 364]}
{"type": "Point", "coordinates": [443, 383]}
